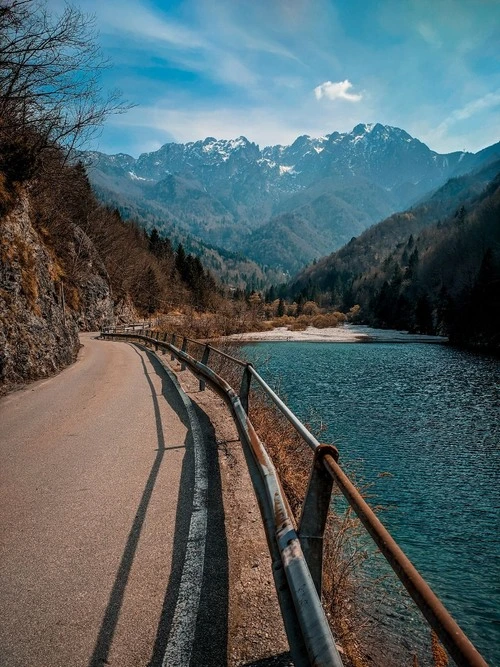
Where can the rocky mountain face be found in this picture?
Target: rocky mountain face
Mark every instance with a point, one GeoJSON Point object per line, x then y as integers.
{"type": "Point", "coordinates": [235, 195]}
{"type": "Point", "coordinates": [39, 319]}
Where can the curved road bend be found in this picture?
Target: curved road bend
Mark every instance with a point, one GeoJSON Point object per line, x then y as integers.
{"type": "Point", "coordinates": [96, 485]}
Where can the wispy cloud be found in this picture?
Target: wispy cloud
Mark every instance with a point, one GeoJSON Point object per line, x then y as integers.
{"type": "Point", "coordinates": [181, 121]}
{"type": "Point", "coordinates": [473, 125]}
{"type": "Point", "coordinates": [184, 124]}
{"type": "Point", "coordinates": [429, 35]}
{"type": "Point", "coordinates": [141, 23]}
{"type": "Point", "coordinates": [192, 49]}
{"type": "Point", "coordinates": [471, 109]}
{"type": "Point", "coordinates": [486, 102]}
{"type": "Point", "coordinates": [337, 91]}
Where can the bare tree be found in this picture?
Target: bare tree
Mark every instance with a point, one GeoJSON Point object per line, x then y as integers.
{"type": "Point", "coordinates": [50, 70]}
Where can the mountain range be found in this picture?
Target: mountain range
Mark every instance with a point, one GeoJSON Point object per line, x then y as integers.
{"type": "Point", "coordinates": [282, 206]}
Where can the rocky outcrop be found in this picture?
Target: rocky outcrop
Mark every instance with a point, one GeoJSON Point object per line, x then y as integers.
{"type": "Point", "coordinates": [125, 311]}
{"type": "Point", "coordinates": [95, 304]}
{"type": "Point", "coordinates": [37, 335]}
{"type": "Point", "coordinates": [42, 308]}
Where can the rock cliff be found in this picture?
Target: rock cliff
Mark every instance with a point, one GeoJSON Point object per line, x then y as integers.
{"type": "Point", "coordinates": [41, 311]}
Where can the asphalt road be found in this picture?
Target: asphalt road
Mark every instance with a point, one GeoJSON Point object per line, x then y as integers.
{"type": "Point", "coordinates": [96, 495]}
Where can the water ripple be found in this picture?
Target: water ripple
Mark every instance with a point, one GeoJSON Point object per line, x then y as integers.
{"type": "Point", "coordinates": [429, 416]}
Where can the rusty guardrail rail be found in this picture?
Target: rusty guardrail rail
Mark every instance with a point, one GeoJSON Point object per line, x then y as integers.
{"type": "Point", "coordinates": [297, 554]}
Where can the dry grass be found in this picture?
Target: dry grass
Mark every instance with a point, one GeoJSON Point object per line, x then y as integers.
{"type": "Point", "coordinates": [228, 321]}
{"type": "Point", "coordinates": [209, 326]}
{"type": "Point", "coordinates": [299, 324]}
{"type": "Point", "coordinates": [312, 319]}
{"type": "Point", "coordinates": [290, 455]}
{"type": "Point", "coordinates": [293, 460]}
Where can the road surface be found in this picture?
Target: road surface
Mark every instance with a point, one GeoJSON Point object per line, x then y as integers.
{"type": "Point", "coordinates": [97, 489]}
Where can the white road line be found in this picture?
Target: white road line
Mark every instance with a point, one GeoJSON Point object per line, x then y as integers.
{"type": "Point", "coordinates": [181, 637]}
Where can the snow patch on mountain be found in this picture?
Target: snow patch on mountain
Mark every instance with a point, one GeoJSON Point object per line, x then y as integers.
{"type": "Point", "coordinates": [238, 171]}
{"type": "Point", "coordinates": [134, 177]}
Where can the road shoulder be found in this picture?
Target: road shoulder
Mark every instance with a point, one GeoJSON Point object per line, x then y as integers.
{"type": "Point", "coordinates": [255, 629]}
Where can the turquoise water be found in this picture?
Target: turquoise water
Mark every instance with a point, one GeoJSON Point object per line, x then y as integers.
{"type": "Point", "coordinates": [430, 416]}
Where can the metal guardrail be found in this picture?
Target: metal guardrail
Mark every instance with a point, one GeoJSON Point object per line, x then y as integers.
{"type": "Point", "coordinates": [297, 554]}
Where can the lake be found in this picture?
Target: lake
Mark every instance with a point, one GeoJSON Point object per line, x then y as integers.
{"type": "Point", "coordinates": [422, 422]}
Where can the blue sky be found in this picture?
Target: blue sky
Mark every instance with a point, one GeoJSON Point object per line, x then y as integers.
{"type": "Point", "coordinates": [274, 69]}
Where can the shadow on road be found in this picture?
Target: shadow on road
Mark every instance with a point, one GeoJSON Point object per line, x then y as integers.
{"type": "Point", "coordinates": [112, 613]}
{"type": "Point", "coordinates": [210, 643]}
{"type": "Point", "coordinates": [210, 647]}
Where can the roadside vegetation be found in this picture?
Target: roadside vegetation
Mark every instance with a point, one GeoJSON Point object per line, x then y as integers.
{"type": "Point", "coordinates": [342, 551]}
{"type": "Point", "coordinates": [292, 459]}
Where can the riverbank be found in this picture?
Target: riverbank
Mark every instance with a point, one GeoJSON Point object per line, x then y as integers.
{"type": "Point", "coordinates": [348, 333]}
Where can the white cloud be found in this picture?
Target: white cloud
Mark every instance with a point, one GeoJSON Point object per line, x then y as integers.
{"type": "Point", "coordinates": [192, 124]}
{"type": "Point", "coordinates": [486, 102]}
{"type": "Point", "coordinates": [336, 91]}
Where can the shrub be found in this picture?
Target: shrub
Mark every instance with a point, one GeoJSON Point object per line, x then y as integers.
{"type": "Point", "coordinates": [324, 321]}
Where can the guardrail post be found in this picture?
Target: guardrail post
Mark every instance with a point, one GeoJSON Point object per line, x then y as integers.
{"type": "Point", "coordinates": [314, 513]}
{"type": "Point", "coordinates": [245, 387]}
{"type": "Point", "coordinates": [172, 356]}
{"type": "Point", "coordinates": [157, 336]}
{"type": "Point", "coordinates": [184, 349]}
{"type": "Point", "coordinates": [165, 336]}
{"type": "Point", "coordinates": [204, 361]}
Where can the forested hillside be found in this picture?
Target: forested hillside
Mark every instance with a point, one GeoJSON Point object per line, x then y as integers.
{"type": "Point", "coordinates": [232, 268]}
{"type": "Point", "coordinates": [433, 269]}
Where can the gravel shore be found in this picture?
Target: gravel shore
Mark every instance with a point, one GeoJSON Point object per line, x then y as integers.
{"type": "Point", "coordinates": [348, 333]}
